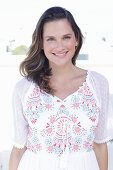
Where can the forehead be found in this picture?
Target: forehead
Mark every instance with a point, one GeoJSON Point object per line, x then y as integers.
{"type": "Point", "coordinates": [61, 26]}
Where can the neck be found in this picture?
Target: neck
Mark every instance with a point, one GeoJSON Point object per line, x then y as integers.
{"type": "Point", "coordinates": [63, 73]}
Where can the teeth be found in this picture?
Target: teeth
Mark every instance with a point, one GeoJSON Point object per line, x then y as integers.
{"type": "Point", "coordinates": [60, 54]}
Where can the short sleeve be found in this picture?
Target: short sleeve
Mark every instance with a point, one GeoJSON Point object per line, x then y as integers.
{"type": "Point", "coordinates": [20, 127]}
{"type": "Point", "coordinates": [104, 130]}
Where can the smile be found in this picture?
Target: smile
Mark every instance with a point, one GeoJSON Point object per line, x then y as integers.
{"type": "Point", "coordinates": [60, 54]}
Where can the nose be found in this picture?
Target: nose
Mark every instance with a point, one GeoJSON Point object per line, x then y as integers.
{"type": "Point", "coordinates": [59, 45]}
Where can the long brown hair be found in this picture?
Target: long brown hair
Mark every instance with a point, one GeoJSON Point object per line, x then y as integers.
{"type": "Point", "coordinates": [36, 66]}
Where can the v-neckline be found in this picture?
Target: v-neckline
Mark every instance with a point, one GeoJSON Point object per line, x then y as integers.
{"type": "Point", "coordinates": [75, 92]}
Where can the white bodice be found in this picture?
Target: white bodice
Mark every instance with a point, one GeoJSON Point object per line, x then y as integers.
{"type": "Point", "coordinates": [44, 123]}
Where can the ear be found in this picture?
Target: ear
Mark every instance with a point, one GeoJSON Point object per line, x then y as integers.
{"type": "Point", "coordinates": [76, 43]}
{"type": "Point", "coordinates": [75, 47]}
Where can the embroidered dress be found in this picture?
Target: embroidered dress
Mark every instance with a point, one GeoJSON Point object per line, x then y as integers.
{"type": "Point", "coordinates": [60, 134]}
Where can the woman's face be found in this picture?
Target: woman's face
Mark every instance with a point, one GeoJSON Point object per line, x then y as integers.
{"type": "Point", "coordinates": [59, 42]}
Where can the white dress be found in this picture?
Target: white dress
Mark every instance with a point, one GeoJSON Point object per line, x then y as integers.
{"type": "Point", "coordinates": [60, 134]}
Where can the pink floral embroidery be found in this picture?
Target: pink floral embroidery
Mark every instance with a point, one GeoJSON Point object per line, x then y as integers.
{"type": "Point", "coordinates": [58, 100]}
{"type": "Point", "coordinates": [74, 119]}
{"type": "Point", "coordinates": [88, 146]}
{"type": "Point", "coordinates": [75, 147]}
{"type": "Point", "coordinates": [34, 148]}
{"type": "Point", "coordinates": [48, 106]}
{"type": "Point", "coordinates": [63, 127]}
{"type": "Point", "coordinates": [35, 92]}
{"type": "Point", "coordinates": [76, 105]}
{"type": "Point", "coordinates": [77, 129]}
{"type": "Point", "coordinates": [49, 129]}
{"type": "Point", "coordinates": [50, 148]}
{"type": "Point", "coordinates": [52, 119]}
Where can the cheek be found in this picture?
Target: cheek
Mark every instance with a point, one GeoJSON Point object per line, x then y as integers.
{"type": "Point", "coordinates": [71, 45]}
{"type": "Point", "coordinates": [48, 46]}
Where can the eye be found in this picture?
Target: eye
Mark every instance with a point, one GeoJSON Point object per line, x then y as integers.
{"type": "Point", "coordinates": [67, 37]}
{"type": "Point", "coordinates": [50, 39]}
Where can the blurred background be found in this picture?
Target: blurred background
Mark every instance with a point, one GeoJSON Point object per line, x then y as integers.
{"type": "Point", "coordinates": [18, 19]}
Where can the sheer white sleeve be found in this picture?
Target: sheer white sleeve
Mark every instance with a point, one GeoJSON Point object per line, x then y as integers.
{"type": "Point", "coordinates": [20, 128]}
{"type": "Point", "coordinates": [104, 130]}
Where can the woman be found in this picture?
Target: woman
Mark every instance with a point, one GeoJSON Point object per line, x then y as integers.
{"type": "Point", "coordinates": [60, 110]}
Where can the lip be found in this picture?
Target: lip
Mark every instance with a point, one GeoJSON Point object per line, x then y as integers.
{"type": "Point", "coordinates": [61, 54]}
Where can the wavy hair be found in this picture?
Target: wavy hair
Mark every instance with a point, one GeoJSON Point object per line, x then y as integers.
{"type": "Point", "coordinates": [36, 66]}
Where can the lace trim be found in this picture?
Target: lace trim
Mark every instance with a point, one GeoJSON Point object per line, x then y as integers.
{"type": "Point", "coordinates": [104, 140]}
{"type": "Point", "coordinates": [19, 146]}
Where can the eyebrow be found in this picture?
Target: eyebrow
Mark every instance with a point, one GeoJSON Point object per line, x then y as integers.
{"type": "Point", "coordinates": [48, 36]}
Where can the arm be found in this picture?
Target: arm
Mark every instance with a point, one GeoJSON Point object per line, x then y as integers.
{"type": "Point", "coordinates": [101, 153]}
{"type": "Point", "coordinates": [15, 157]}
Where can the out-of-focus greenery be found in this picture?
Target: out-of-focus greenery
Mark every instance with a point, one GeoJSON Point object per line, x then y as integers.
{"type": "Point", "coordinates": [20, 50]}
